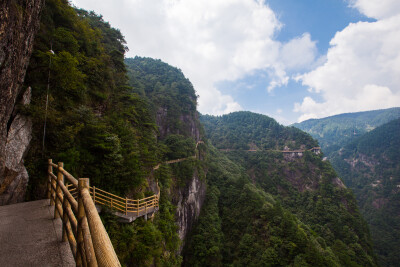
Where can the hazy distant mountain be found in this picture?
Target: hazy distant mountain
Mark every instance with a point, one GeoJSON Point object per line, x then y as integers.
{"type": "Point", "coordinates": [370, 165]}
{"type": "Point", "coordinates": [336, 131]}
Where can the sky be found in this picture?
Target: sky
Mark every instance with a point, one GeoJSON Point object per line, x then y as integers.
{"type": "Point", "coordinates": [289, 59]}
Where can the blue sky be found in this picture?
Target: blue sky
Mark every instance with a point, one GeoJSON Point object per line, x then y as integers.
{"type": "Point", "coordinates": [322, 19]}
{"type": "Point", "coordinates": [289, 59]}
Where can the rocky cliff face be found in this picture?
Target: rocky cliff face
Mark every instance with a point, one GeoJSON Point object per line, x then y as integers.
{"type": "Point", "coordinates": [189, 124]}
{"type": "Point", "coordinates": [19, 136]}
{"type": "Point", "coordinates": [19, 22]}
{"type": "Point", "coordinates": [189, 198]}
{"type": "Point", "coordinates": [189, 202]}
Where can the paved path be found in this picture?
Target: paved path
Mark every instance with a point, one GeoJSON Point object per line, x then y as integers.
{"type": "Point", "coordinates": [29, 236]}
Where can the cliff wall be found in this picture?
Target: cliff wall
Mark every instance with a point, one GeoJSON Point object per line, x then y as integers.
{"type": "Point", "coordinates": [19, 22]}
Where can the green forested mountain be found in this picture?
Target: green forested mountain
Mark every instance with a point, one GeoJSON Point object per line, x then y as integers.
{"type": "Point", "coordinates": [113, 119]}
{"type": "Point", "coordinates": [267, 209]}
{"type": "Point", "coordinates": [370, 165]}
{"type": "Point", "coordinates": [95, 125]}
{"type": "Point", "coordinates": [336, 131]}
{"type": "Point", "coordinates": [171, 96]}
{"type": "Point", "coordinates": [103, 128]}
{"type": "Point", "coordinates": [246, 130]}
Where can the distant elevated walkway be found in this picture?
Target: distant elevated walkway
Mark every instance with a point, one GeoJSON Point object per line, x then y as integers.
{"type": "Point", "coordinates": [29, 236]}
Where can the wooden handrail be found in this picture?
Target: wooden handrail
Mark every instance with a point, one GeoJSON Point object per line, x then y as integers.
{"type": "Point", "coordinates": [75, 203]}
{"type": "Point", "coordinates": [99, 196]}
{"type": "Point", "coordinates": [82, 226]}
{"type": "Point", "coordinates": [98, 189]}
{"type": "Point", "coordinates": [112, 201]}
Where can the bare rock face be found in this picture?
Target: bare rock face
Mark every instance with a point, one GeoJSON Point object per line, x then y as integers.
{"type": "Point", "coordinates": [189, 124]}
{"type": "Point", "coordinates": [189, 203]}
{"type": "Point", "coordinates": [19, 22]}
{"type": "Point", "coordinates": [16, 177]}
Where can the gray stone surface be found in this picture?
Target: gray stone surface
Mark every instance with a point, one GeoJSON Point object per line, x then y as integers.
{"type": "Point", "coordinates": [15, 177]}
{"type": "Point", "coordinates": [29, 236]}
{"type": "Point", "coordinates": [189, 202]}
{"type": "Point", "coordinates": [19, 22]}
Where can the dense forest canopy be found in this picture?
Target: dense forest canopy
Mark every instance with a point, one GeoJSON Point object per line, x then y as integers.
{"type": "Point", "coordinates": [246, 130]}
{"type": "Point", "coordinates": [171, 96]}
{"type": "Point", "coordinates": [266, 209]}
{"type": "Point", "coordinates": [336, 131]}
{"type": "Point", "coordinates": [370, 165]}
{"type": "Point", "coordinates": [103, 128]}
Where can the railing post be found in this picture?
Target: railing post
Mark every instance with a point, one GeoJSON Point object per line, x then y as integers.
{"type": "Point", "coordinates": [60, 178]}
{"type": "Point", "coordinates": [64, 220]}
{"type": "Point", "coordinates": [126, 205]}
{"type": "Point", "coordinates": [103, 250]}
{"type": "Point", "coordinates": [80, 259]}
{"type": "Point", "coordinates": [137, 206]}
{"type": "Point", "coordinates": [87, 252]}
{"type": "Point", "coordinates": [94, 195]}
{"type": "Point", "coordinates": [49, 187]}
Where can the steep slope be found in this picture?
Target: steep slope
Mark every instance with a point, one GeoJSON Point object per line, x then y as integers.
{"type": "Point", "coordinates": [101, 128]}
{"type": "Point", "coordinates": [245, 130]}
{"type": "Point", "coordinates": [370, 165]}
{"type": "Point", "coordinates": [172, 101]}
{"type": "Point", "coordinates": [336, 131]}
{"type": "Point", "coordinates": [171, 96]}
{"type": "Point", "coordinates": [92, 122]}
{"type": "Point", "coordinates": [19, 22]}
{"type": "Point", "coordinates": [242, 225]}
{"type": "Point", "coordinates": [265, 208]}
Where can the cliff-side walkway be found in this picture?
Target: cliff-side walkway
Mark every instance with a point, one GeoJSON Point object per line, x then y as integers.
{"type": "Point", "coordinates": [29, 236]}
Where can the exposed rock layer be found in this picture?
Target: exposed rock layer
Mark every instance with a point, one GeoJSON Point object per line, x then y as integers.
{"type": "Point", "coordinates": [189, 202]}
{"type": "Point", "coordinates": [189, 198]}
{"type": "Point", "coordinates": [19, 22]}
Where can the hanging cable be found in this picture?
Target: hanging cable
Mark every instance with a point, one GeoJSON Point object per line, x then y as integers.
{"type": "Point", "coordinates": [47, 98]}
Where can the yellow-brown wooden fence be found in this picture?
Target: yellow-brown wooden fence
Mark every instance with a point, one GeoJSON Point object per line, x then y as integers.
{"type": "Point", "coordinates": [74, 202]}
{"type": "Point", "coordinates": [82, 226]}
{"type": "Point", "coordinates": [127, 206]}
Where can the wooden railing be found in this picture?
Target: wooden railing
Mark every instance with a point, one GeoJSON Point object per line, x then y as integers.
{"type": "Point", "coordinates": [134, 207]}
{"type": "Point", "coordinates": [74, 200]}
{"type": "Point", "coordinates": [82, 226]}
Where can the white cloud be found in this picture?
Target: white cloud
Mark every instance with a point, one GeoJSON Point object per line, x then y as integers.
{"type": "Point", "coordinates": [299, 53]}
{"type": "Point", "coordinates": [362, 68]}
{"type": "Point", "coordinates": [377, 9]}
{"type": "Point", "coordinates": [209, 40]}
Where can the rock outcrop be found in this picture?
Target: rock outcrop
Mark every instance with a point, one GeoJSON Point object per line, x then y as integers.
{"type": "Point", "coordinates": [189, 202]}
{"type": "Point", "coordinates": [19, 136]}
{"type": "Point", "coordinates": [19, 22]}
{"type": "Point", "coordinates": [190, 197]}
{"type": "Point", "coordinates": [189, 124]}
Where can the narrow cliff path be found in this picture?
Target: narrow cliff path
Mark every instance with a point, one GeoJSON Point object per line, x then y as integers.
{"type": "Point", "coordinates": [29, 236]}
{"type": "Point", "coordinates": [179, 160]}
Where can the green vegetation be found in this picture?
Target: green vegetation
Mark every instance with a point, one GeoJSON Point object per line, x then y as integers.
{"type": "Point", "coordinates": [336, 131]}
{"type": "Point", "coordinates": [370, 165]}
{"type": "Point", "coordinates": [267, 209]}
{"type": "Point", "coordinates": [113, 119]}
{"type": "Point", "coordinates": [246, 130]}
{"type": "Point", "coordinates": [95, 124]}
{"type": "Point", "coordinates": [170, 95]}
{"type": "Point", "coordinates": [103, 128]}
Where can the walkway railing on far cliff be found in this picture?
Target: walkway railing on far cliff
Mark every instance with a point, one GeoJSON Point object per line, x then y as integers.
{"type": "Point", "coordinates": [82, 226]}
{"type": "Point", "coordinates": [126, 206]}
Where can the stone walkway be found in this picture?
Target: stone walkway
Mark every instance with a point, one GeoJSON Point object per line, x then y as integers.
{"type": "Point", "coordinates": [29, 236]}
